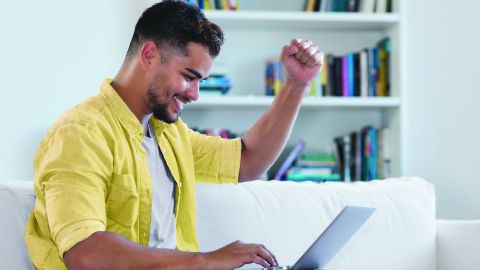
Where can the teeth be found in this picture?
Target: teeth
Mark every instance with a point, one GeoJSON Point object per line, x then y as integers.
{"type": "Point", "coordinates": [179, 102]}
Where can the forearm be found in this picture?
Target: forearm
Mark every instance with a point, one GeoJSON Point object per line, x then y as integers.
{"type": "Point", "coordinates": [106, 250]}
{"type": "Point", "coordinates": [263, 142]}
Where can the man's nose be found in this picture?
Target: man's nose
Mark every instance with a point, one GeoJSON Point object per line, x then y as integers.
{"type": "Point", "coordinates": [193, 91]}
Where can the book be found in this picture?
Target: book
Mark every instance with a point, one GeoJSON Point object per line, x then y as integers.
{"type": "Point", "coordinates": [344, 74]}
{"type": "Point", "coordinates": [325, 5]}
{"type": "Point", "coordinates": [347, 157]}
{"type": "Point", "coordinates": [331, 82]}
{"type": "Point", "coordinates": [297, 175]}
{"type": "Point", "coordinates": [294, 154]}
{"type": "Point", "coordinates": [351, 74]}
{"type": "Point", "coordinates": [310, 5]}
{"type": "Point", "coordinates": [384, 160]}
{"type": "Point", "coordinates": [324, 79]}
{"type": "Point", "coordinates": [363, 73]}
{"type": "Point", "coordinates": [380, 6]}
{"type": "Point", "coordinates": [356, 74]}
{"type": "Point", "coordinates": [372, 74]}
{"type": "Point", "coordinates": [367, 6]}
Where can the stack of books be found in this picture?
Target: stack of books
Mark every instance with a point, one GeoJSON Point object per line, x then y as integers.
{"type": "Point", "coordinates": [273, 77]}
{"type": "Point", "coordinates": [367, 6]}
{"type": "Point", "coordinates": [307, 167]}
{"type": "Point", "coordinates": [215, 4]}
{"type": "Point", "coordinates": [359, 156]}
{"type": "Point", "coordinates": [314, 167]}
{"type": "Point", "coordinates": [363, 155]}
{"type": "Point", "coordinates": [365, 73]}
{"type": "Point", "coordinates": [215, 84]}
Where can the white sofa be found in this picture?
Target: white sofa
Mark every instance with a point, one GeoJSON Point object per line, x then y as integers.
{"type": "Point", "coordinates": [402, 234]}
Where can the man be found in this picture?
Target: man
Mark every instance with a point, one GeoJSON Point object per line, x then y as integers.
{"type": "Point", "coordinates": [115, 185]}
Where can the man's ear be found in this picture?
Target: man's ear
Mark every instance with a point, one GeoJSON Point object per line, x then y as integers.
{"type": "Point", "coordinates": [148, 55]}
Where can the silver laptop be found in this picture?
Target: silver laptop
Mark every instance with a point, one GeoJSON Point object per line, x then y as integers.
{"type": "Point", "coordinates": [331, 241]}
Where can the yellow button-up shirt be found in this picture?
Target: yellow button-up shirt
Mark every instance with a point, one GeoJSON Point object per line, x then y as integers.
{"type": "Point", "coordinates": [91, 174]}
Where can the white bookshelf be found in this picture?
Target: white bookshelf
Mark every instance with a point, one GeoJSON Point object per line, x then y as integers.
{"type": "Point", "coordinates": [245, 102]}
{"type": "Point", "coordinates": [254, 36]}
{"type": "Point", "coordinates": [302, 20]}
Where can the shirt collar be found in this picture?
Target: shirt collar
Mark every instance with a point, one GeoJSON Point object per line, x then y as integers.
{"type": "Point", "coordinates": [121, 109]}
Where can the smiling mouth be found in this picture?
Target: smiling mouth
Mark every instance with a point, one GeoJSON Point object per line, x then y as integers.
{"type": "Point", "coordinates": [180, 102]}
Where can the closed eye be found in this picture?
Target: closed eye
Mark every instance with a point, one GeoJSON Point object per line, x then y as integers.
{"type": "Point", "coordinates": [189, 78]}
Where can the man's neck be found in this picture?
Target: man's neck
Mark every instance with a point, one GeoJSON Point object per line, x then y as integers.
{"type": "Point", "coordinates": [130, 89]}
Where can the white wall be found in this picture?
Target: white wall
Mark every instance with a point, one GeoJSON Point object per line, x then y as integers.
{"type": "Point", "coordinates": [444, 102]}
{"type": "Point", "coordinates": [55, 53]}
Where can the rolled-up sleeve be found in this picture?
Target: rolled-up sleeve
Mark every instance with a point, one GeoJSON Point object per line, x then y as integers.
{"type": "Point", "coordinates": [74, 173]}
{"type": "Point", "coordinates": [216, 160]}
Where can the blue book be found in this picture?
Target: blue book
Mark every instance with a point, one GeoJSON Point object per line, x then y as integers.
{"type": "Point", "coordinates": [294, 154]}
{"type": "Point", "coordinates": [351, 74]}
{"type": "Point", "coordinates": [372, 157]}
{"type": "Point", "coordinates": [372, 76]}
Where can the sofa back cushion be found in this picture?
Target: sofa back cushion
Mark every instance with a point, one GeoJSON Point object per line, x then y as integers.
{"type": "Point", "coordinates": [16, 203]}
{"type": "Point", "coordinates": [287, 217]}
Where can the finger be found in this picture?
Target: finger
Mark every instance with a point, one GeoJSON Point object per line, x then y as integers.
{"type": "Point", "coordinates": [288, 51]}
{"type": "Point", "coordinates": [265, 255]}
{"type": "Point", "coordinates": [295, 41]}
{"type": "Point", "coordinates": [308, 54]}
{"type": "Point", "coordinates": [271, 254]}
{"type": "Point", "coordinates": [316, 59]}
{"type": "Point", "coordinates": [302, 47]}
{"type": "Point", "coordinates": [253, 258]}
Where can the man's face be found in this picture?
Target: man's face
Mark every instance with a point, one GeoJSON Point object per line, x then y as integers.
{"type": "Point", "coordinates": [177, 81]}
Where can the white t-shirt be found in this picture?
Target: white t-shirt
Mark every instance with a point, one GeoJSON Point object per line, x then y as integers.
{"type": "Point", "coordinates": [162, 227]}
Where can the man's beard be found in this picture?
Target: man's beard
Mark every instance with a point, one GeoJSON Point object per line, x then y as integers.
{"type": "Point", "coordinates": [159, 110]}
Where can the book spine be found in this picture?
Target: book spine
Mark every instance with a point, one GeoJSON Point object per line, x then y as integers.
{"type": "Point", "coordinates": [351, 75]}
{"type": "Point", "coordinates": [294, 154]}
{"type": "Point", "coordinates": [277, 84]}
{"type": "Point", "coordinates": [347, 159]}
{"type": "Point", "coordinates": [324, 78]}
{"type": "Point", "coordinates": [372, 78]}
{"type": "Point", "coordinates": [356, 75]}
{"type": "Point", "coordinates": [310, 5]}
{"type": "Point", "coordinates": [345, 88]}
{"type": "Point", "coordinates": [338, 76]}
{"type": "Point", "coordinates": [363, 73]}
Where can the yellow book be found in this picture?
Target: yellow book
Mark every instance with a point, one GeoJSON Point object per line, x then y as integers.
{"type": "Point", "coordinates": [207, 4]}
{"type": "Point", "coordinates": [310, 5]}
{"type": "Point", "coordinates": [324, 78]}
{"type": "Point", "coordinates": [277, 86]}
{"type": "Point", "coordinates": [381, 83]}
{"type": "Point", "coordinates": [313, 88]}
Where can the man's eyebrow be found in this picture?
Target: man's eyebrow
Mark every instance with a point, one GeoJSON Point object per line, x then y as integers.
{"type": "Point", "coordinates": [194, 72]}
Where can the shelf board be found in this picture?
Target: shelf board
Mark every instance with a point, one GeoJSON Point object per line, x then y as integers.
{"type": "Point", "coordinates": [211, 102]}
{"type": "Point", "coordinates": [303, 20]}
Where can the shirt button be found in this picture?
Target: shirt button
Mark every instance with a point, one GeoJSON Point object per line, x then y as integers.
{"type": "Point", "coordinates": [145, 234]}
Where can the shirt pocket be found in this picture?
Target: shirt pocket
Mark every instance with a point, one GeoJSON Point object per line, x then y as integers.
{"type": "Point", "coordinates": [122, 200]}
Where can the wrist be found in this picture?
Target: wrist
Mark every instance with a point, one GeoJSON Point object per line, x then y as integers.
{"type": "Point", "coordinates": [201, 261]}
{"type": "Point", "coordinates": [295, 83]}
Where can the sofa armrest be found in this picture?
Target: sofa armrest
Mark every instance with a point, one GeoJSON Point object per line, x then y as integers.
{"type": "Point", "coordinates": [458, 243]}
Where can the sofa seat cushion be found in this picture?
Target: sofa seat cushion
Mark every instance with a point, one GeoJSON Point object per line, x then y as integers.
{"type": "Point", "coordinates": [16, 203]}
{"type": "Point", "coordinates": [287, 217]}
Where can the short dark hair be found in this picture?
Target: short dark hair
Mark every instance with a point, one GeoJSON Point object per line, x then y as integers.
{"type": "Point", "coordinates": [175, 24]}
